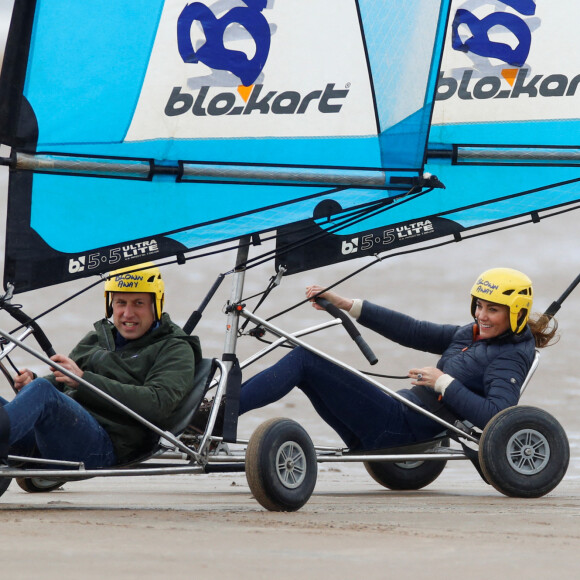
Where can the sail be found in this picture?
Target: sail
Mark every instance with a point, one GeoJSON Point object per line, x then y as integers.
{"type": "Point", "coordinates": [140, 132]}
{"type": "Point", "coordinates": [504, 137]}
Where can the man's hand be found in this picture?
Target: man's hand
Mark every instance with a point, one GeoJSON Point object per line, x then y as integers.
{"type": "Point", "coordinates": [23, 377]}
{"type": "Point", "coordinates": [69, 365]}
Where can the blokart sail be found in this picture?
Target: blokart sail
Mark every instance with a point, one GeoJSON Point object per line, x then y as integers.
{"type": "Point", "coordinates": [145, 132]}
{"type": "Point", "coordinates": [504, 138]}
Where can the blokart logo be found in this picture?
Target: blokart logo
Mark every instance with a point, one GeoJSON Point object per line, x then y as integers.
{"type": "Point", "coordinates": [213, 53]}
{"type": "Point", "coordinates": [494, 87]}
{"type": "Point", "coordinates": [479, 42]}
{"type": "Point", "coordinates": [471, 35]}
{"type": "Point", "coordinates": [250, 97]}
{"type": "Point", "coordinates": [227, 103]}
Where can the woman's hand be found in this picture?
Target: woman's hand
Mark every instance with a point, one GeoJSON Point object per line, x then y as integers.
{"type": "Point", "coordinates": [426, 376]}
{"type": "Point", "coordinates": [340, 302]}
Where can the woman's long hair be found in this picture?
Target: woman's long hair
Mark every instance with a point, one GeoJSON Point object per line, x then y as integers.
{"type": "Point", "coordinates": [544, 329]}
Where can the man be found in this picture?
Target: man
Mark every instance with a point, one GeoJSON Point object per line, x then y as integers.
{"type": "Point", "coordinates": [142, 359]}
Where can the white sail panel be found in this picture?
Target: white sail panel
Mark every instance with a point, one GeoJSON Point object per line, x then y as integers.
{"type": "Point", "coordinates": [314, 81]}
{"type": "Point", "coordinates": [510, 61]}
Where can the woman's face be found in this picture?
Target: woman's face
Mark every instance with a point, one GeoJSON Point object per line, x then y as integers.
{"type": "Point", "coordinates": [493, 319]}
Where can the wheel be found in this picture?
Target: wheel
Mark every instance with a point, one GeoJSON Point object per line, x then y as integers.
{"type": "Point", "coordinates": [4, 483]}
{"type": "Point", "coordinates": [524, 452]}
{"type": "Point", "coordinates": [38, 484]}
{"type": "Point", "coordinates": [406, 475]}
{"type": "Point", "coordinates": [281, 465]}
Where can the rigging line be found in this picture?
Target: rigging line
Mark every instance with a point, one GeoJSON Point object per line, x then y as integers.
{"type": "Point", "coordinates": [349, 219]}
{"type": "Point", "coordinates": [264, 295]}
{"type": "Point", "coordinates": [519, 223]}
{"type": "Point", "coordinates": [58, 305]}
{"type": "Point", "coordinates": [326, 192]}
{"type": "Point", "coordinates": [381, 376]}
{"type": "Point", "coordinates": [14, 367]}
{"type": "Point", "coordinates": [352, 217]}
{"type": "Point", "coordinates": [365, 267]}
{"type": "Point", "coordinates": [264, 257]}
{"type": "Point", "coordinates": [339, 225]}
{"type": "Point", "coordinates": [379, 258]}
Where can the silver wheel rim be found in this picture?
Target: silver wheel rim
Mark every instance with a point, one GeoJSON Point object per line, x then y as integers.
{"type": "Point", "coordinates": [291, 465]}
{"type": "Point", "coordinates": [528, 452]}
{"type": "Point", "coordinates": [41, 483]}
{"type": "Point", "coordinates": [409, 464]}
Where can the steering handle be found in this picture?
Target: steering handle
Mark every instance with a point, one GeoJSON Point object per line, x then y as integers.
{"type": "Point", "coordinates": [17, 313]}
{"type": "Point", "coordinates": [350, 327]}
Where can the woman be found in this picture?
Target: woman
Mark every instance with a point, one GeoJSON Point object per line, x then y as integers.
{"type": "Point", "coordinates": [480, 372]}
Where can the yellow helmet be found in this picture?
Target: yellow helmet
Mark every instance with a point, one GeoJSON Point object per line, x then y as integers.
{"type": "Point", "coordinates": [509, 287]}
{"type": "Point", "coordinates": [132, 280]}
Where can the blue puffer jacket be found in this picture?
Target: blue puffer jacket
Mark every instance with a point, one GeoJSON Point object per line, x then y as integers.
{"type": "Point", "coordinates": [488, 374]}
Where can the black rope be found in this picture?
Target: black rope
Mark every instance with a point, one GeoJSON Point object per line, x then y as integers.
{"type": "Point", "coordinates": [380, 376]}
{"type": "Point", "coordinates": [362, 269]}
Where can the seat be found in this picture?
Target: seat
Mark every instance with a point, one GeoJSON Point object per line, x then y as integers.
{"type": "Point", "coordinates": [183, 414]}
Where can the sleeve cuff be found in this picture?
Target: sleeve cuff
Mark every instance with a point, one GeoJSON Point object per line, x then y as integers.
{"type": "Point", "coordinates": [442, 383]}
{"type": "Point", "coordinates": [356, 308]}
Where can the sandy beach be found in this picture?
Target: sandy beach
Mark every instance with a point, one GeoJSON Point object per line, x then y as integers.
{"type": "Point", "coordinates": [211, 527]}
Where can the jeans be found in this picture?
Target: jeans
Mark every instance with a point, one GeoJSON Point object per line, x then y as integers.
{"type": "Point", "coordinates": [50, 423]}
{"type": "Point", "coordinates": [363, 416]}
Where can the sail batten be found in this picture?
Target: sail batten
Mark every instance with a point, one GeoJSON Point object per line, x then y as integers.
{"type": "Point", "coordinates": [527, 155]}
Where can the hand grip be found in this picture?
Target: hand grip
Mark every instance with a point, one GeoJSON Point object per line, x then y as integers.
{"type": "Point", "coordinates": [17, 313]}
{"type": "Point", "coordinates": [350, 327]}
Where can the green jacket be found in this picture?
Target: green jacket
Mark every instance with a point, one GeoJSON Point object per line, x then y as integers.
{"type": "Point", "coordinates": [150, 375]}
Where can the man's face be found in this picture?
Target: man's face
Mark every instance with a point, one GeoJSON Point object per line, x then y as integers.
{"type": "Point", "coordinates": [133, 313]}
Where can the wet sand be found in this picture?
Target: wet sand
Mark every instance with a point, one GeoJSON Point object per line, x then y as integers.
{"type": "Point", "coordinates": [211, 527]}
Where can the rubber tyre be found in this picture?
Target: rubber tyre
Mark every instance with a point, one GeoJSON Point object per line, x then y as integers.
{"type": "Point", "coordinates": [406, 475]}
{"type": "Point", "coordinates": [281, 466]}
{"type": "Point", "coordinates": [4, 483]}
{"type": "Point", "coordinates": [37, 484]}
{"type": "Point", "coordinates": [524, 452]}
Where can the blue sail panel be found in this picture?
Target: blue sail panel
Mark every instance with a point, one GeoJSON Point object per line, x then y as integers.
{"type": "Point", "coordinates": [405, 80]}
